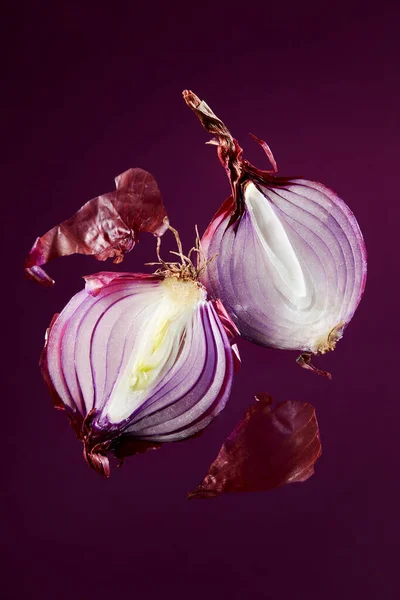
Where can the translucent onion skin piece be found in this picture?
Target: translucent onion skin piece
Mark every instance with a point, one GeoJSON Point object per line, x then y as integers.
{"type": "Point", "coordinates": [132, 368]}
{"type": "Point", "coordinates": [267, 449]}
{"type": "Point", "coordinates": [291, 260]}
{"type": "Point", "coordinates": [105, 227]}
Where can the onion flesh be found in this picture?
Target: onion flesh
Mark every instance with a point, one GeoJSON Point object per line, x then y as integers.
{"type": "Point", "coordinates": [138, 357]}
{"type": "Point", "coordinates": [290, 263]}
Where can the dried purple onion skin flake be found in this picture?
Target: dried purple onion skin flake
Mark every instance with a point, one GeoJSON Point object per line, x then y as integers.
{"type": "Point", "coordinates": [267, 449]}
{"type": "Point", "coordinates": [105, 227]}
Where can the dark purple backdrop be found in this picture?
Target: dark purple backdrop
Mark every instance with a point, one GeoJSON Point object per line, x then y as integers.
{"type": "Point", "coordinates": [90, 92]}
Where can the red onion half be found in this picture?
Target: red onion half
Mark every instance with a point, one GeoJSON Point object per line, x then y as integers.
{"type": "Point", "coordinates": [291, 260]}
{"type": "Point", "coordinates": [138, 359]}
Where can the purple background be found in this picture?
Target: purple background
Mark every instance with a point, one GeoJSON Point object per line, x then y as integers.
{"type": "Point", "coordinates": [90, 92]}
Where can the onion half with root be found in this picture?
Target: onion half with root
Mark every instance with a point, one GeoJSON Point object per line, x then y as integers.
{"type": "Point", "coordinates": [137, 360]}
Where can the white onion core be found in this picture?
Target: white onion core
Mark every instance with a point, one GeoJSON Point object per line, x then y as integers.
{"type": "Point", "coordinates": [276, 243]}
{"type": "Point", "coordinates": [158, 345]}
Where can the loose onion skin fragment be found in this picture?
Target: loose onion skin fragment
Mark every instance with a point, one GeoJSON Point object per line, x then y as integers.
{"type": "Point", "coordinates": [291, 261]}
{"type": "Point", "coordinates": [138, 360]}
{"type": "Point", "coordinates": [267, 449]}
{"type": "Point", "coordinates": [105, 227]}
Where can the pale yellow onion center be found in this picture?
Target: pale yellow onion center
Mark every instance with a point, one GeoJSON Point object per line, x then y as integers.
{"type": "Point", "coordinates": [165, 321]}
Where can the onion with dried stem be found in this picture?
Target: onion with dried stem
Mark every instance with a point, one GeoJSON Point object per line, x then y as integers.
{"type": "Point", "coordinates": [291, 261]}
{"type": "Point", "coordinates": [136, 360]}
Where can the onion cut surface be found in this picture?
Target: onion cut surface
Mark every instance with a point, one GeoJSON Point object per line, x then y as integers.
{"type": "Point", "coordinates": [138, 357]}
{"type": "Point", "coordinates": [291, 263]}
{"type": "Point", "coordinates": [291, 270]}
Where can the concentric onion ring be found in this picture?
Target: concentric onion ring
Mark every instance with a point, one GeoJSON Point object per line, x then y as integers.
{"type": "Point", "coordinates": [116, 375]}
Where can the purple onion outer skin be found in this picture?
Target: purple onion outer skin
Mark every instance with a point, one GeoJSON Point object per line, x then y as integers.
{"type": "Point", "coordinates": [107, 226]}
{"type": "Point", "coordinates": [268, 448]}
{"type": "Point", "coordinates": [82, 371]}
{"type": "Point", "coordinates": [322, 231]}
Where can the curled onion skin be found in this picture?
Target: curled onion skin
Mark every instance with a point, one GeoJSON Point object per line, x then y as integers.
{"type": "Point", "coordinates": [291, 263]}
{"type": "Point", "coordinates": [269, 447]}
{"type": "Point", "coordinates": [107, 226]}
{"type": "Point", "coordinates": [137, 360]}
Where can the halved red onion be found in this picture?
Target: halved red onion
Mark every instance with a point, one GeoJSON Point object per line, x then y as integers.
{"type": "Point", "coordinates": [104, 227]}
{"type": "Point", "coordinates": [291, 261]}
{"type": "Point", "coordinates": [138, 359]}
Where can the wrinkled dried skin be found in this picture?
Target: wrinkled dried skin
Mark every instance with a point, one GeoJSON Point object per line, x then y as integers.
{"type": "Point", "coordinates": [267, 449]}
{"type": "Point", "coordinates": [105, 227]}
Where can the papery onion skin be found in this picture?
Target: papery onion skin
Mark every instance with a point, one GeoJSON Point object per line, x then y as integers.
{"type": "Point", "coordinates": [105, 227]}
{"type": "Point", "coordinates": [301, 225]}
{"type": "Point", "coordinates": [88, 352]}
{"type": "Point", "coordinates": [269, 448]}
